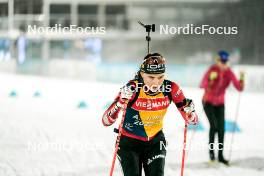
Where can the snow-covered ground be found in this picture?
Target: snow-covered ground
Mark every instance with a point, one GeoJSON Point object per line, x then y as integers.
{"type": "Point", "coordinates": [48, 135]}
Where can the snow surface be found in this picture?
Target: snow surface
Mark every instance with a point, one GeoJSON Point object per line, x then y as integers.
{"type": "Point", "coordinates": [49, 135]}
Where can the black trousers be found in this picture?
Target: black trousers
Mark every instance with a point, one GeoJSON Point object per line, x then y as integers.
{"type": "Point", "coordinates": [135, 155]}
{"type": "Point", "coordinates": [216, 118]}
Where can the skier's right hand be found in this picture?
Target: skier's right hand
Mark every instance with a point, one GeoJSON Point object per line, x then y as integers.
{"type": "Point", "coordinates": [213, 75]}
{"type": "Point", "coordinates": [126, 94]}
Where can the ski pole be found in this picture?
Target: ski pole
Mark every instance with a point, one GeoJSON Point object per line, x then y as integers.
{"type": "Point", "coordinates": [234, 125]}
{"type": "Point", "coordinates": [190, 141]}
{"type": "Point", "coordinates": [184, 148]}
{"type": "Point", "coordinates": [195, 129]}
{"type": "Point", "coordinates": [118, 138]}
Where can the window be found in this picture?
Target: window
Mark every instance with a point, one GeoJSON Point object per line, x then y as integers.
{"type": "Point", "coordinates": [116, 17]}
{"type": "Point", "coordinates": [87, 15]}
{"type": "Point", "coordinates": [3, 9]}
{"type": "Point", "coordinates": [28, 6]}
{"type": "Point", "coordinates": [60, 14]}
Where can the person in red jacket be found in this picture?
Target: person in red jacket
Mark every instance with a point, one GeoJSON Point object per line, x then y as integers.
{"type": "Point", "coordinates": [215, 82]}
{"type": "Point", "coordinates": [149, 96]}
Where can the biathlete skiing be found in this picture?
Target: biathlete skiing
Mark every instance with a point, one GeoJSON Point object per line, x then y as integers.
{"type": "Point", "coordinates": [145, 100]}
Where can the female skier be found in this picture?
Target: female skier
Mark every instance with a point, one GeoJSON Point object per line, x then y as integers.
{"type": "Point", "coordinates": [215, 82]}
{"type": "Point", "coordinates": [149, 96]}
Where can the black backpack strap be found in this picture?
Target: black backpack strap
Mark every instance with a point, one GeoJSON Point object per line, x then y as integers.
{"type": "Point", "coordinates": [136, 96]}
{"type": "Point", "coordinates": [166, 93]}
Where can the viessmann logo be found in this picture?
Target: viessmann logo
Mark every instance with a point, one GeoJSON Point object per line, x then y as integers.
{"type": "Point", "coordinates": [151, 104]}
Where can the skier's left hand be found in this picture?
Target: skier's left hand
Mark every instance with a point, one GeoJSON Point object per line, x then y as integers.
{"type": "Point", "coordinates": [191, 116]}
{"type": "Point", "coordinates": [242, 79]}
{"type": "Point", "coordinates": [241, 75]}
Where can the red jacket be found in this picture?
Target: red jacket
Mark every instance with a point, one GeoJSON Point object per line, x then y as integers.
{"type": "Point", "coordinates": [215, 89]}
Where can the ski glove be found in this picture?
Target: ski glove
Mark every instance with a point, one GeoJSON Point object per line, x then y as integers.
{"type": "Point", "coordinates": [213, 75]}
{"type": "Point", "coordinates": [191, 116]}
{"type": "Point", "coordinates": [242, 76]}
{"type": "Point", "coordinates": [126, 94]}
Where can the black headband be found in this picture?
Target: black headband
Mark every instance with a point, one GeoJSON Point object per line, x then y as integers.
{"type": "Point", "coordinates": [153, 64]}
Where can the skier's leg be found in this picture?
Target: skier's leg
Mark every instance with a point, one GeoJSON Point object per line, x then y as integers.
{"type": "Point", "coordinates": [210, 114]}
{"type": "Point", "coordinates": [221, 125]}
{"type": "Point", "coordinates": [129, 159]}
{"type": "Point", "coordinates": [154, 159]}
{"type": "Point", "coordinates": [221, 132]}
